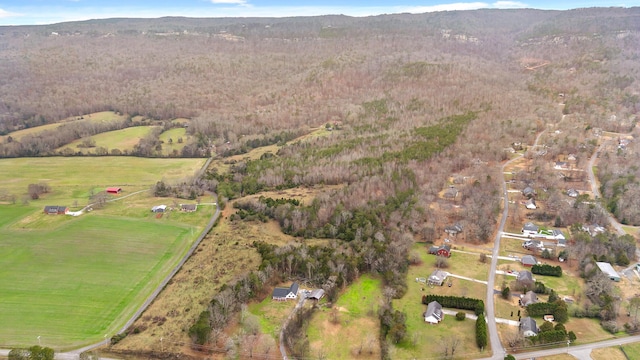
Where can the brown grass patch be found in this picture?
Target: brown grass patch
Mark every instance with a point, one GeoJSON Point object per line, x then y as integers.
{"type": "Point", "coordinates": [612, 353]}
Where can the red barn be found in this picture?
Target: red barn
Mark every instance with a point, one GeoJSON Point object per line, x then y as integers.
{"type": "Point", "coordinates": [443, 250]}
{"type": "Point", "coordinates": [114, 190]}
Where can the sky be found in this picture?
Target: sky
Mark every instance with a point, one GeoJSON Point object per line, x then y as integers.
{"type": "Point", "coordinates": [38, 12]}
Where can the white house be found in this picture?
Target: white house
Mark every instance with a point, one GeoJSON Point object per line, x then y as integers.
{"type": "Point", "coordinates": [434, 313]}
{"type": "Point", "coordinates": [290, 293]}
{"type": "Point", "coordinates": [528, 327]}
{"type": "Point", "coordinates": [530, 229]}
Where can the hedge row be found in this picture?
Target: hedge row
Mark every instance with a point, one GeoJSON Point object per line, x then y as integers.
{"type": "Point", "coordinates": [545, 269]}
{"type": "Point", "coordinates": [456, 302]}
{"type": "Point", "coordinates": [481, 331]}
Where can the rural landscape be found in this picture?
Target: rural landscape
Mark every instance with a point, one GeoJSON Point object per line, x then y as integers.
{"type": "Point", "coordinates": [447, 185]}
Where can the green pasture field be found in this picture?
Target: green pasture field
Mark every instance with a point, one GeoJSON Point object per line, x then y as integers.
{"type": "Point", "coordinates": [272, 314]}
{"type": "Point", "coordinates": [81, 279]}
{"type": "Point", "coordinates": [357, 323]}
{"type": "Point", "coordinates": [123, 140]}
{"type": "Point", "coordinates": [174, 135]}
{"type": "Point", "coordinates": [72, 178]}
{"type": "Point", "coordinates": [632, 350]}
{"type": "Point", "coordinates": [95, 117]}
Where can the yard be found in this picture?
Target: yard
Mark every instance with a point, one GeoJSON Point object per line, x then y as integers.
{"type": "Point", "coordinates": [632, 350]}
{"type": "Point", "coordinates": [350, 328]}
{"type": "Point", "coordinates": [420, 335]}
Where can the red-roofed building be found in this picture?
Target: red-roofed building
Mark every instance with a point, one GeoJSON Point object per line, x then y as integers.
{"type": "Point", "coordinates": [114, 190]}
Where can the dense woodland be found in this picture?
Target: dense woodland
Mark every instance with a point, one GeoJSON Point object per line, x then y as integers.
{"type": "Point", "coordinates": [414, 102]}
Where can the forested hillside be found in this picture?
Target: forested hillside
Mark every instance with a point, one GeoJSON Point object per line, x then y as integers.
{"type": "Point", "coordinates": [413, 104]}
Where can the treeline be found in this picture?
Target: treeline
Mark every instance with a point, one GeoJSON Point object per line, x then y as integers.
{"type": "Point", "coordinates": [546, 269]}
{"type": "Point", "coordinates": [557, 308]}
{"type": "Point", "coordinates": [189, 188]}
{"type": "Point", "coordinates": [456, 302]}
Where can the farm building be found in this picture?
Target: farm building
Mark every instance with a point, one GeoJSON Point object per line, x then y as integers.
{"type": "Point", "coordinates": [434, 313]}
{"type": "Point", "coordinates": [608, 270]}
{"type": "Point", "coordinates": [55, 210]}
{"type": "Point", "coordinates": [282, 294]}
{"type": "Point", "coordinates": [159, 209]}
{"type": "Point", "coordinates": [316, 294]}
{"type": "Point", "coordinates": [114, 190]}
{"type": "Point", "coordinates": [442, 250]}
{"type": "Point", "coordinates": [188, 207]}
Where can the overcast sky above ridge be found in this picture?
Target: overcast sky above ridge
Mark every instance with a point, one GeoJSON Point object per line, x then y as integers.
{"type": "Point", "coordinates": [35, 12]}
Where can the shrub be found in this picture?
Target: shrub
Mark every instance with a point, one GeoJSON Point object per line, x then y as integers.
{"type": "Point", "coordinates": [460, 316]}
{"type": "Point", "coordinates": [481, 332]}
{"type": "Point", "coordinates": [545, 269]}
{"type": "Point", "coordinates": [610, 326]}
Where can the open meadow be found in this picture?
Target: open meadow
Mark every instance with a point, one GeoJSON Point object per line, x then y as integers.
{"type": "Point", "coordinates": [123, 140]}
{"type": "Point", "coordinates": [73, 178]}
{"type": "Point", "coordinates": [74, 280]}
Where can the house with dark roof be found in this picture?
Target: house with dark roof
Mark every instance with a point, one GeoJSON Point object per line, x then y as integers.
{"type": "Point", "coordinates": [451, 193]}
{"type": "Point", "coordinates": [528, 298]}
{"type": "Point", "coordinates": [524, 275]}
{"type": "Point", "coordinates": [453, 230]}
{"type": "Point", "coordinates": [572, 193]}
{"type": "Point", "coordinates": [528, 260]}
{"type": "Point", "coordinates": [188, 207]}
{"type": "Point", "coordinates": [282, 294]}
{"type": "Point", "coordinates": [434, 313]}
{"type": "Point", "coordinates": [437, 277]}
{"type": "Point", "coordinates": [55, 210]}
{"type": "Point", "coordinates": [528, 192]}
{"type": "Point", "coordinates": [530, 229]}
{"type": "Point", "coordinates": [442, 250]}
{"type": "Point", "coordinates": [528, 327]}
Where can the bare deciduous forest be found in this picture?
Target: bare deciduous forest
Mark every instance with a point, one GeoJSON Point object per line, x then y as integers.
{"type": "Point", "coordinates": [413, 102]}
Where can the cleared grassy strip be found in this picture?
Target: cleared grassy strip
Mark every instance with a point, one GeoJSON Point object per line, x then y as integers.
{"type": "Point", "coordinates": [95, 117]}
{"type": "Point", "coordinates": [72, 177]}
{"type": "Point", "coordinates": [611, 353]}
{"type": "Point", "coordinates": [170, 140]}
{"type": "Point", "coordinates": [83, 280]}
{"type": "Point", "coordinates": [352, 324]}
{"type": "Point", "coordinates": [632, 350]}
{"type": "Point", "coordinates": [123, 140]}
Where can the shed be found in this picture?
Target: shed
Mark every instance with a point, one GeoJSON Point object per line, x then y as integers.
{"type": "Point", "coordinates": [114, 190]}
{"type": "Point", "coordinates": [531, 204]}
{"type": "Point", "coordinates": [442, 250]}
{"type": "Point", "coordinates": [159, 208]}
{"type": "Point", "coordinates": [316, 294]}
{"type": "Point", "coordinates": [608, 270]}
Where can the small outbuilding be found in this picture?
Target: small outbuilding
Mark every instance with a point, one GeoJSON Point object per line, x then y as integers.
{"type": "Point", "coordinates": [316, 294]}
{"type": "Point", "coordinates": [531, 204]}
{"type": "Point", "coordinates": [608, 270]}
{"type": "Point", "coordinates": [114, 190]}
{"type": "Point", "coordinates": [159, 209]}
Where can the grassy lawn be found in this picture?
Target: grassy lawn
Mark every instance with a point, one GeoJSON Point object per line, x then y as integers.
{"type": "Point", "coordinates": [421, 336]}
{"type": "Point", "coordinates": [168, 147]}
{"type": "Point", "coordinates": [504, 308]}
{"type": "Point", "coordinates": [81, 279]}
{"type": "Point", "coordinates": [123, 140]}
{"type": "Point", "coordinates": [565, 285]}
{"type": "Point", "coordinates": [612, 353]}
{"type": "Point", "coordinates": [351, 325]}
{"type": "Point", "coordinates": [72, 178]}
{"type": "Point", "coordinates": [587, 330]}
{"type": "Point", "coordinates": [558, 357]}
{"type": "Point", "coordinates": [632, 350]}
{"type": "Point", "coordinates": [271, 314]}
